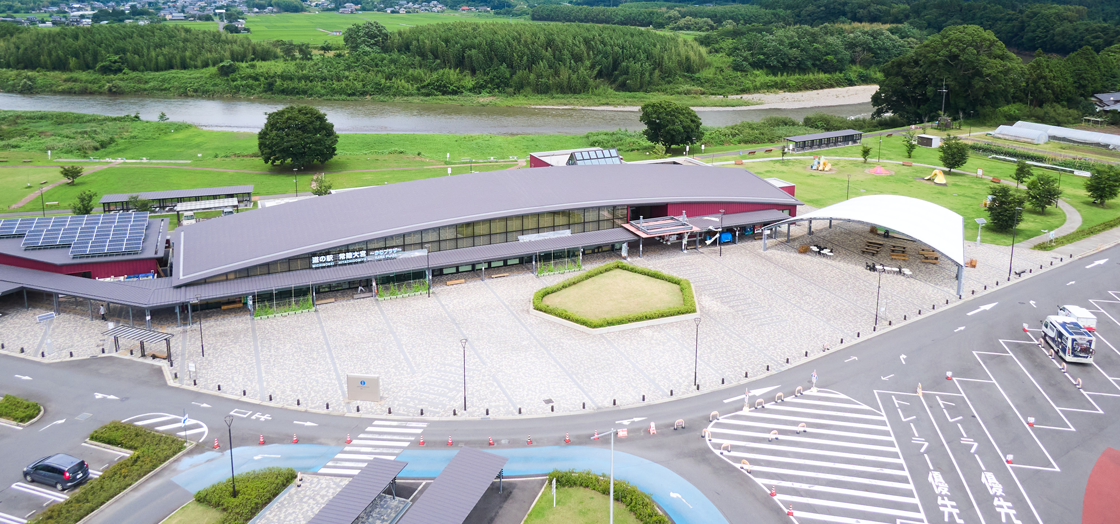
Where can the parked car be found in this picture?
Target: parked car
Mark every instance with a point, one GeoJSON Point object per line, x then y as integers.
{"type": "Point", "coordinates": [227, 211]}
{"type": "Point", "coordinates": [60, 470]}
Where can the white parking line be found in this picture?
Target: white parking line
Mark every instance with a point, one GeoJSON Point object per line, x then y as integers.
{"type": "Point", "coordinates": [39, 492]}
{"type": "Point", "coordinates": [113, 451]}
{"type": "Point", "coordinates": [93, 473]}
{"type": "Point", "coordinates": [9, 519]}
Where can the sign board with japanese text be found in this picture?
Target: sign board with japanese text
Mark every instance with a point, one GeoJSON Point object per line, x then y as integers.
{"type": "Point", "coordinates": [363, 387]}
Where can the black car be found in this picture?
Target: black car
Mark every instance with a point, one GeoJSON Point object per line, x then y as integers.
{"type": "Point", "coordinates": [60, 470]}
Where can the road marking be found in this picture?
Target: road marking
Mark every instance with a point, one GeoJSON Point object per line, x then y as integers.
{"type": "Point", "coordinates": [1071, 282]}
{"type": "Point", "coordinates": [800, 400]}
{"type": "Point", "coordinates": [888, 377]}
{"type": "Point", "coordinates": [825, 412]}
{"type": "Point", "coordinates": [816, 431]}
{"type": "Point", "coordinates": [628, 421]}
{"type": "Point", "coordinates": [754, 393]}
{"type": "Point", "coordinates": [793, 438]}
{"type": "Point", "coordinates": [807, 420]}
{"type": "Point", "coordinates": [23, 377]}
{"type": "Point", "coordinates": [837, 454]}
{"type": "Point", "coordinates": [831, 476]}
{"type": "Point", "coordinates": [348, 464]}
{"type": "Point", "coordinates": [191, 432]}
{"type": "Point", "coordinates": [363, 449]}
{"type": "Point", "coordinates": [395, 430]}
{"type": "Point", "coordinates": [39, 492]}
{"type": "Point", "coordinates": [243, 413]}
{"type": "Point", "coordinates": [832, 518]}
{"type": "Point", "coordinates": [157, 419]}
{"type": "Point", "coordinates": [406, 424]}
{"type": "Point", "coordinates": [678, 496]}
{"type": "Point", "coordinates": [94, 473]}
{"type": "Point", "coordinates": [958, 329]}
{"type": "Point", "coordinates": [376, 436]}
{"type": "Point", "coordinates": [11, 519]}
{"type": "Point", "coordinates": [306, 424]}
{"type": "Point", "coordinates": [153, 418]}
{"type": "Point", "coordinates": [1097, 263]}
{"type": "Point", "coordinates": [102, 395]}
{"type": "Point", "coordinates": [380, 443]}
{"type": "Point", "coordinates": [258, 457]}
{"type": "Point", "coordinates": [113, 451]}
{"type": "Point", "coordinates": [1034, 306]}
{"type": "Point", "coordinates": [335, 471]}
{"type": "Point", "coordinates": [839, 491]}
{"type": "Point", "coordinates": [902, 358]}
{"type": "Point", "coordinates": [352, 456]}
{"type": "Point", "coordinates": [53, 423]}
{"type": "Point", "coordinates": [807, 462]}
{"type": "Point", "coordinates": [851, 359]}
{"type": "Point", "coordinates": [202, 404]}
{"type": "Point", "coordinates": [985, 307]}
{"type": "Point", "coordinates": [859, 507]}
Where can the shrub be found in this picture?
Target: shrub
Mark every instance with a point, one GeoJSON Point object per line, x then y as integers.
{"type": "Point", "coordinates": [18, 409]}
{"type": "Point", "coordinates": [640, 504]}
{"type": "Point", "coordinates": [150, 451]}
{"type": "Point", "coordinates": [255, 490]}
{"type": "Point", "coordinates": [689, 305]}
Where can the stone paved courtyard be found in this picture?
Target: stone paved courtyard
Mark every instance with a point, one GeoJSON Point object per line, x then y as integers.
{"type": "Point", "coordinates": [758, 309]}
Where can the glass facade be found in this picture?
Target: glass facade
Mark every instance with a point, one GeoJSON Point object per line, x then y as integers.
{"type": "Point", "coordinates": [470, 234]}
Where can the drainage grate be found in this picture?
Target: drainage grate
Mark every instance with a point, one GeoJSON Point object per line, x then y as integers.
{"type": "Point", "coordinates": [83, 416]}
{"type": "Point", "coordinates": [548, 401]}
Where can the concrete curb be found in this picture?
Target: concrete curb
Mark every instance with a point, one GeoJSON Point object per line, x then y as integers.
{"type": "Point", "coordinates": [613, 329]}
{"type": "Point", "coordinates": [102, 445]}
{"type": "Point", "coordinates": [134, 485]}
{"type": "Point", "coordinates": [21, 425]}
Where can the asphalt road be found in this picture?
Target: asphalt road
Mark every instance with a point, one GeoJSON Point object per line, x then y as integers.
{"type": "Point", "coordinates": [1003, 382]}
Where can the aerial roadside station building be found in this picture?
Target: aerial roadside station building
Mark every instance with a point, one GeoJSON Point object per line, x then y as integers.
{"type": "Point", "coordinates": [421, 229]}
{"type": "Point", "coordinates": [800, 143]}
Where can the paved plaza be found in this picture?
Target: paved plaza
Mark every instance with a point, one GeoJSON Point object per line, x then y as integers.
{"type": "Point", "coordinates": [758, 309]}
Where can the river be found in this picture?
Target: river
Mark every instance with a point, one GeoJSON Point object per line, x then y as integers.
{"type": "Point", "coordinates": [358, 116]}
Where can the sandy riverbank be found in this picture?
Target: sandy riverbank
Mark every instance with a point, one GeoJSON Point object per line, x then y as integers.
{"type": "Point", "coordinates": [821, 98]}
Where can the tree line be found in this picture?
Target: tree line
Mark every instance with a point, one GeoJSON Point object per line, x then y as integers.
{"type": "Point", "coordinates": [827, 48]}
{"type": "Point", "coordinates": [1052, 28]}
{"type": "Point", "coordinates": [132, 47]}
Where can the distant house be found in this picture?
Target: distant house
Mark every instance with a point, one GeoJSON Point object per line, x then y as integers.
{"type": "Point", "coordinates": [346, 11]}
{"type": "Point", "coordinates": [1107, 101]}
{"type": "Point", "coordinates": [176, 16]}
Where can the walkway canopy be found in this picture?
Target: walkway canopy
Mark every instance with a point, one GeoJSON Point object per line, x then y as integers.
{"type": "Point", "coordinates": [142, 336]}
{"type": "Point", "coordinates": [454, 493]}
{"type": "Point", "coordinates": [936, 226]}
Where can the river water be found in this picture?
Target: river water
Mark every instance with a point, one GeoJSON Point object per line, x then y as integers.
{"type": "Point", "coordinates": [357, 116]}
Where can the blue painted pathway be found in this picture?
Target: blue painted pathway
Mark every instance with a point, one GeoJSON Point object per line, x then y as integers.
{"type": "Point", "coordinates": [212, 467]}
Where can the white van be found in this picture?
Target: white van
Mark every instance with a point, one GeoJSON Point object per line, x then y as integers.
{"type": "Point", "coordinates": [188, 218]}
{"type": "Point", "coordinates": [1083, 316]}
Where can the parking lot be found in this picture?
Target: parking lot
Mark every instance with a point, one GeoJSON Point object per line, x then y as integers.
{"type": "Point", "coordinates": [21, 500]}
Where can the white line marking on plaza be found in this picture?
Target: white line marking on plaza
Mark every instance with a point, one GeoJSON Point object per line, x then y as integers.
{"type": "Point", "coordinates": [807, 420]}
{"type": "Point", "coordinates": [190, 432]}
{"type": "Point", "coordinates": [968, 441]}
{"type": "Point", "coordinates": [628, 421]}
{"type": "Point", "coordinates": [839, 491]}
{"type": "Point", "coordinates": [799, 400]}
{"type": "Point", "coordinates": [825, 412]}
{"type": "Point", "coordinates": [838, 454]}
{"type": "Point", "coordinates": [830, 476]}
{"type": "Point", "coordinates": [847, 505]}
{"type": "Point", "coordinates": [1097, 263]}
{"type": "Point", "coordinates": [985, 307]}
{"type": "Point", "coordinates": [807, 462]}
{"type": "Point", "coordinates": [922, 441]}
{"type": "Point", "coordinates": [353, 456]}
{"type": "Point", "coordinates": [94, 473]}
{"type": "Point", "coordinates": [914, 430]}
{"type": "Point", "coordinates": [833, 518]}
{"type": "Point", "coordinates": [951, 419]}
{"type": "Point", "coordinates": [816, 431]}
{"type": "Point", "coordinates": [678, 496]}
{"type": "Point", "coordinates": [928, 462]}
{"type": "Point", "coordinates": [363, 449]}
{"type": "Point", "coordinates": [903, 417]}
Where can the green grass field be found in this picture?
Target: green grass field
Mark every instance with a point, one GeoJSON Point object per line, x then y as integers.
{"type": "Point", "coordinates": [577, 506]}
{"type": "Point", "coordinates": [305, 27]}
{"type": "Point", "coordinates": [195, 513]}
{"type": "Point", "coordinates": [616, 293]}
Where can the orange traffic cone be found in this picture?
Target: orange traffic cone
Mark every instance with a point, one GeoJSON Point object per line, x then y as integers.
{"type": "Point", "coordinates": [772, 492]}
{"type": "Point", "coordinates": [567, 439]}
{"type": "Point", "coordinates": [530, 440]}
{"type": "Point", "coordinates": [216, 444]}
{"type": "Point", "coordinates": [262, 440]}
{"type": "Point", "coordinates": [421, 440]}
{"type": "Point", "coordinates": [596, 437]}
{"type": "Point", "coordinates": [790, 512]}
{"type": "Point", "coordinates": [348, 438]}
{"type": "Point", "coordinates": [491, 440]}
{"type": "Point", "coordinates": [449, 440]}
{"type": "Point", "coordinates": [295, 439]}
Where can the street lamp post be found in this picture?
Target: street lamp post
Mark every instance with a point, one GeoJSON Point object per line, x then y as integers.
{"type": "Point", "coordinates": [232, 478]}
{"type": "Point", "coordinates": [970, 124]}
{"type": "Point", "coordinates": [848, 191]}
{"type": "Point", "coordinates": [428, 267]}
{"type": "Point", "coordinates": [1011, 261]}
{"type": "Point", "coordinates": [201, 341]}
{"type": "Point", "coordinates": [980, 223]}
{"type": "Point", "coordinates": [878, 287]}
{"type": "Point", "coordinates": [295, 181]}
{"type": "Point", "coordinates": [696, 356]}
{"type": "Point", "coordinates": [719, 238]}
{"type": "Point", "coordinates": [43, 202]}
{"type": "Point", "coordinates": [464, 343]}
{"type": "Point", "coordinates": [879, 155]}
{"type": "Point", "coordinates": [611, 501]}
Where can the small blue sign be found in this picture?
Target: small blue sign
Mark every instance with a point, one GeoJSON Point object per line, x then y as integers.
{"type": "Point", "coordinates": [362, 382]}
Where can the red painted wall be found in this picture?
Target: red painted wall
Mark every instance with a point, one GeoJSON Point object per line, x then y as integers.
{"type": "Point", "coordinates": [789, 189]}
{"type": "Point", "coordinates": [97, 269]}
{"type": "Point", "coordinates": [712, 208]}
{"type": "Point", "coordinates": [536, 162]}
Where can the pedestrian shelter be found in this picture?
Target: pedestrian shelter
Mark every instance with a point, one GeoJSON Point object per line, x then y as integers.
{"type": "Point", "coordinates": [142, 336]}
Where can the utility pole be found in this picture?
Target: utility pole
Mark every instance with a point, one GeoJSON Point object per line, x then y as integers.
{"type": "Point", "coordinates": [943, 92]}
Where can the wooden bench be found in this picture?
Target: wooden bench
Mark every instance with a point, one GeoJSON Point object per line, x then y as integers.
{"type": "Point", "coordinates": [768, 150]}
{"type": "Point", "coordinates": [900, 256]}
{"type": "Point", "coordinates": [911, 164]}
{"type": "Point", "coordinates": [324, 301]}
{"type": "Point", "coordinates": [363, 295]}
{"type": "Point", "coordinates": [232, 306]}
{"type": "Point", "coordinates": [455, 282]}
{"type": "Point", "coordinates": [869, 252]}
{"type": "Point", "coordinates": [996, 181]}
{"type": "Point", "coordinates": [499, 275]}
{"type": "Point", "coordinates": [738, 162]}
{"type": "Point", "coordinates": [926, 252]}
{"type": "Point", "coordinates": [931, 260]}
{"type": "Point", "coordinates": [750, 152]}
{"type": "Point", "coordinates": [874, 243]}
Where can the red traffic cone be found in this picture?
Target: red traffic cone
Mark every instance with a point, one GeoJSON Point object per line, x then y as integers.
{"type": "Point", "coordinates": [596, 437]}
{"type": "Point", "coordinates": [567, 439]}
{"type": "Point", "coordinates": [530, 440]}
{"type": "Point", "coordinates": [262, 440]}
{"type": "Point", "coordinates": [421, 440]}
{"type": "Point", "coordinates": [1030, 421]}
{"type": "Point", "coordinates": [772, 492]}
{"type": "Point", "coordinates": [348, 438]}
{"type": "Point", "coordinates": [216, 444]}
{"type": "Point", "coordinates": [449, 440]}
{"type": "Point", "coordinates": [790, 512]}
{"type": "Point", "coordinates": [948, 375]}
{"type": "Point", "coordinates": [490, 440]}
{"type": "Point", "coordinates": [295, 439]}
{"type": "Point", "coordinates": [1009, 457]}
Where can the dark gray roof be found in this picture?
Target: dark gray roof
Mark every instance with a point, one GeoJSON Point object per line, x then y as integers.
{"type": "Point", "coordinates": [179, 193]}
{"type": "Point", "coordinates": [153, 247]}
{"type": "Point", "coordinates": [818, 136]}
{"type": "Point", "coordinates": [359, 492]}
{"type": "Point", "coordinates": [454, 493]}
{"type": "Point", "coordinates": [142, 335]}
{"type": "Point", "coordinates": [9, 287]}
{"type": "Point", "coordinates": [749, 218]}
{"type": "Point", "coordinates": [246, 239]}
{"type": "Point", "coordinates": [126, 292]}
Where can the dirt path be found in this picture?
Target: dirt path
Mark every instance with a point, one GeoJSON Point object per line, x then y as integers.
{"type": "Point", "coordinates": [839, 96]}
{"type": "Point", "coordinates": [44, 189]}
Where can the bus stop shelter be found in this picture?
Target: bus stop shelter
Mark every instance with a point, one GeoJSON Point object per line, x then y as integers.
{"type": "Point", "coordinates": [457, 489]}
{"type": "Point", "coordinates": [141, 335]}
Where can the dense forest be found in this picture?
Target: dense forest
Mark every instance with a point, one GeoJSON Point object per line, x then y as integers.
{"type": "Point", "coordinates": [1050, 27]}
{"type": "Point", "coordinates": [117, 46]}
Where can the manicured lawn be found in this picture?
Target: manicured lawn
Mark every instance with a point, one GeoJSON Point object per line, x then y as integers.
{"type": "Point", "coordinates": [963, 195]}
{"type": "Point", "coordinates": [13, 183]}
{"type": "Point", "coordinates": [577, 506]}
{"type": "Point", "coordinates": [195, 513]}
{"type": "Point", "coordinates": [315, 28]}
{"type": "Point", "coordinates": [616, 293]}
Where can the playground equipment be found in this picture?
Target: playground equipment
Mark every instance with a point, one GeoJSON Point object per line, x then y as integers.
{"type": "Point", "coordinates": [937, 177]}
{"type": "Point", "coordinates": [878, 170]}
{"type": "Point", "coordinates": [820, 164]}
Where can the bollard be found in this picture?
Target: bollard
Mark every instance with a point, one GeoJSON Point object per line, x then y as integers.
{"type": "Point", "coordinates": [973, 291]}
{"type": "Point", "coordinates": [802, 428]}
{"type": "Point", "coordinates": [698, 387]}
{"type": "Point", "coordinates": [746, 374]}
{"type": "Point", "coordinates": [643, 398]}
{"type": "Point", "coordinates": [1030, 422]}
{"type": "Point", "coordinates": [195, 381]}
{"type": "Point", "coordinates": [787, 360]}
{"type": "Point", "coordinates": [713, 415]}
{"type": "Point", "coordinates": [890, 322]}
{"type": "Point", "coordinates": [721, 381]}
{"type": "Point", "coordinates": [269, 396]}
{"type": "Point", "coordinates": [421, 412]}
{"type": "Point", "coordinates": [71, 354]}
{"type": "Point", "coordinates": [985, 287]}
{"type": "Point", "coordinates": [518, 411]}
{"type": "Point", "coordinates": [725, 447]}
{"type": "Point", "coordinates": [176, 376]}
{"type": "Point", "coordinates": [297, 401]}
{"type": "Point", "coordinates": [841, 341]}
{"type": "Point", "coordinates": [454, 413]}
{"type": "Point", "coordinates": [553, 407]}
{"type": "Point", "coordinates": [706, 434]}
{"type": "Point", "coordinates": [243, 394]}
{"type": "Point", "coordinates": [780, 397]}
{"type": "Point", "coordinates": [798, 392]}
{"type": "Point", "coordinates": [745, 465]}
{"type": "Point", "coordinates": [919, 312]}
{"type": "Point", "coordinates": [759, 404]}
{"type": "Point", "coordinates": [130, 352]}
{"type": "Point", "coordinates": [1079, 383]}
{"type": "Point", "coordinates": [220, 388]}
{"type": "Point", "coordinates": [670, 394]}
{"type": "Point", "coordinates": [919, 389]}
{"type": "Point", "coordinates": [874, 328]}
{"type": "Point", "coordinates": [806, 353]}
{"type": "Point", "coordinates": [946, 302]}
{"type": "Point", "coordinates": [857, 334]}
{"type": "Point", "coordinates": [102, 351]}
{"type": "Point", "coordinates": [358, 409]}
{"type": "Point", "coordinates": [585, 404]}
{"type": "Point", "coordinates": [487, 412]}
{"type": "Point", "coordinates": [767, 367]}
{"type": "Point", "coordinates": [614, 401]}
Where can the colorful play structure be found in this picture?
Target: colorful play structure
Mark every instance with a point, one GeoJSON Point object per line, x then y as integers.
{"type": "Point", "coordinates": [878, 170]}
{"type": "Point", "coordinates": [820, 164]}
{"type": "Point", "coordinates": [937, 177]}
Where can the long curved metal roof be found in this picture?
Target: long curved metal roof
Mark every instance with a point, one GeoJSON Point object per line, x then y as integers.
{"type": "Point", "coordinates": [217, 246]}
{"type": "Point", "coordinates": [939, 227]}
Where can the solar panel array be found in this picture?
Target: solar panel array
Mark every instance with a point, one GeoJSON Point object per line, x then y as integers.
{"type": "Point", "coordinates": [87, 235]}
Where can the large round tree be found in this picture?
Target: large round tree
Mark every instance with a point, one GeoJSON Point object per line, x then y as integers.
{"type": "Point", "coordinates": [300, 135]}
{"type": "Point", "coordinates": [670, 123]}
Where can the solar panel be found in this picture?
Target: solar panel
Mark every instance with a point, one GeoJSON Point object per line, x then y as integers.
{"type": "Point", "coordinates": [121, 233]}
{"type": "Point", "coordinates": [87, 235]}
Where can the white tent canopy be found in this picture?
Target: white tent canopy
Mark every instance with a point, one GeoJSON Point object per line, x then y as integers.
{"type": "Point", "coordinates": [936, 226]}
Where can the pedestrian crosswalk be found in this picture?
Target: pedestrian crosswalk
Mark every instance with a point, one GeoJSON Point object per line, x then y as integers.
{"type": "Point", "coordinates": [167, 423]}
{"type": "Point", "coordinates": [382, 439]}
{"type": "Point", "coordinates": [828, 456]}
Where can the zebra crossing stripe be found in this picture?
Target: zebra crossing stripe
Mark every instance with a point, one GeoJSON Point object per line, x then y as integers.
{"type": "Point", "coordinates": [348, 464]}
{"type": "Point", "coordinates": [815, 431]}
{"type": "Point", "coordinates": [820, 393]}
{"type": "Point", "coordinates": [791, 449]}
{"type": "Point", "coordinates": [337, 471]}
{"type": "Point", "coordinates": [838, 491]}
{"type": "Point", "coordinates": [394, 430]}
{"type": "Point", "coordinates": [808, 420]}
{"type": "Point", "coordinates": [799, 400]}
{"type": "Point", "coordinates": [385, 437]}
{"type": "Point", "coordinates": [363, 449]}
{"type": "Point", "coordinates": [792, 438]}
{"type": "Point", "coordinates": [404, 424]}
{"type": "Point", "coordinates": [190, 432]}
{"type": "Point", "coordinates": [381, 443]}
{"type": "Point", "coordinates": [807, 462]}
{"type": "Point", "coordinates": [826, 412]}
{"type": "Point", "coordinates": [830, 476]}
{"type": "Point", "coordinates": [833, 518]}
{"type": "Point", "coordinates": [157, 419]}
{"type": "Point", "coordinates": [847, 505]}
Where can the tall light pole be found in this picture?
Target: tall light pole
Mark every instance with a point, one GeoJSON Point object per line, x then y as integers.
{"type": "Point", "coordinates": [1012, 260]}
{"type": "Point", "coordinates": [295, 181]}
{"type": "Point", "coordinates": [611, 501]}
{"type": "Point", "coordinates": [201, 341]}
{"type": "Point", "coordinates": [970, 125]}
{"type": "Point", "coordinates": [879, 156]}
{"type": "Point", "coordinates": [464, 343]}
{"type": "Point", "coordinates": [848, 192]}
{"type": "Point", "coordinates": [980, 223]}
{"type": "Point", "coordinates": [877, 289]}
{"type": "Point", "coordinates": [428, 265]}
{"type": "Point", "coordinates": [43, 201]}
{"type": "Point", "coordinates": [232, 478]}
{"type": "Point", "coordinates": [719, 238]}
{"type": "Point", "coordinates": [696, 356]}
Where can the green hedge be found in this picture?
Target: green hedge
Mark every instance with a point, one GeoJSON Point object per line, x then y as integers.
{"type": "Point", "coordinates": [1078, 235]}
{"type": "Point", "coordinates": [150, 451]}
{"type": "Point", "coordinates": [688, 307]}
{"type": "Point", "coordinates": [640, 504]}
{"type": "Point", "coordinates": [18, 409]}
{"type": "Point", "coordinates": [255, 490]}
